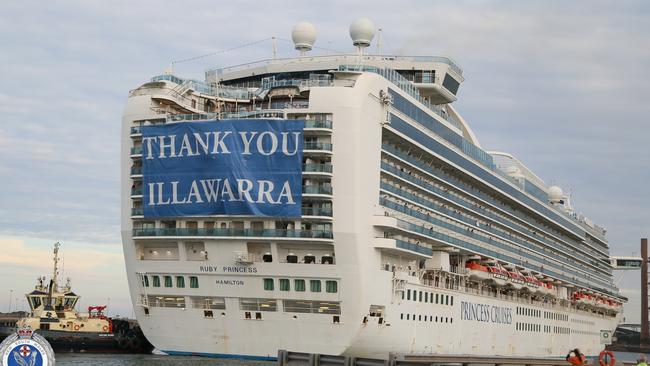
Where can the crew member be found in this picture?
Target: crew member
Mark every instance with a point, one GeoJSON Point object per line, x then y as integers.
{"type": "Point", "coordinates": [578, 359]}
{"type": "Point", "coordinates": [642, 361]}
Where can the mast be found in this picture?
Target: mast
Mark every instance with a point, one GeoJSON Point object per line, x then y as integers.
{"type": "Point", "coordinates": [56, 264]}
{"type": "Point", "coordinates": [53, 283]}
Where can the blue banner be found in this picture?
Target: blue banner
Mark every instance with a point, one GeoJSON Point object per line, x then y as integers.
{"type": "Point", "coordinates": [227, 167]}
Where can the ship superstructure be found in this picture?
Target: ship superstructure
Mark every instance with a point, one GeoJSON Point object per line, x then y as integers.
{"type": "Point", "coordinates": [410, 239]}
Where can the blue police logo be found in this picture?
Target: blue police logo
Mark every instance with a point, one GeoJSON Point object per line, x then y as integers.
{"type": "Point", "coordinates": [26, 348]}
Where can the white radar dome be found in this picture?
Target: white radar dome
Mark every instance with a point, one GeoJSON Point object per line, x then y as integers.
{"type": "Point", "coordinates": [303, 36]}
{"type": "Point", "coordinates": [362, 32]}
{"type": "Point", "coordinates": [555, 194]}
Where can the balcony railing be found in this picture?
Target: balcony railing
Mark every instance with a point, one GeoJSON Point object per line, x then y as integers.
{"type": "Point", "coordinates": [266, 233]}
{"type": "Point", "coordinates": [136, 170]}
{"type": "Point", "coordinates": [136, 130]}
{"type": "Point", "coordinates": [324, 146]}
{"type": "Point", "coordinates": [316, 211]}
{"type": "Point", "coordinates": [310, 123]}
{"type": "Point", "coordinates": [317, 168]}
{"type": "Point", "coordinates": [136, 191]}
{"type": "Point", "coordinates": [306, 211]}
{"type": "Point", "coordinates": [136, 150]}
{"type": "Point", "coordinates": [317, 190]}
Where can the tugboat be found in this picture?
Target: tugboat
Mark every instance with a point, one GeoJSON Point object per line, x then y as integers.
{"type": "Point", "coordinates": [53, 316]}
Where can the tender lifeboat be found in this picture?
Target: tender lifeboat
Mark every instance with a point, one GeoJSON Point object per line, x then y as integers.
{"type": "Point", "coordinates": [549, 289]}
{"type": "Point", "coordinates": [581, 298]}
{"type": "Point", "coordinates": [477, 271]}
{"type": "Point", "coordinates": [499, 275]}
{"type": "Point", "coordinates": [515, 280]}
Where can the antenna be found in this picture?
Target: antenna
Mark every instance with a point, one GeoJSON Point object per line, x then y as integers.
{"type": "Point", "coordinates": [275, 47]}
{"type": "Point", "coordinates": [380, 44]}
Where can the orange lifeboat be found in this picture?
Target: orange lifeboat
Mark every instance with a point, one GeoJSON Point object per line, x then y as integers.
{"type": "Point", "coordinates": [515, 280]}
{"type": "Point", "coordinates": [477, 271]}
{"type": "Point", "coordinates": [499, 275]}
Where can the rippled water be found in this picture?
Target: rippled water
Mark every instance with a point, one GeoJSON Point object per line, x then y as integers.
{"type": "Point", "coordinates": [86, 359]}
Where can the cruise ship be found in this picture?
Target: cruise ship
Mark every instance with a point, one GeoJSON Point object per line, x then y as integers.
{"type": "Point", "coordinates": [339, 204]}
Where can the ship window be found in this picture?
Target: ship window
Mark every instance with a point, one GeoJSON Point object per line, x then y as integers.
{"type": "Point", "coordinates": [436, 298]}
{"type": "Point", "coordinates": [314, 285]}
{"type": "Point", "coordinates": [201, 302]}
{"type": "Point", "coordinates": [426, 297]}
{"type": "Point", "coordinates": [168, 281]}
{"type": "Point", "coordinates": [284, 284]}
{"type": "Point", "coordinates": [145, 281]}
{"type": "Point", "coordinates": [452, 301]}
{"type": "Point", "coordinates": [299, 285]}
{"type": "Point", "coordinates": [401, 316]}
{"type": "Point", "coordinates": [258, 304]}
{"type": "Point", "coordinates": [156, 281]}
{"type": "Point", "coordinates": [180, 281]}
{"type": "Point", "coordinates": [331, 287]}
{"type": "Point", "coordinates": [420, 297]}
{"type": "Point", "coordinates": [447, 300]}
{"type": "Point", "coordinates": [408, 316]}
{"type": "Point", "coordinates": [408, 294]}
{"type": "Point", "coordinates": [268, 284]}
{"type": "Point", "coordinates": [208, 314]}
{"type": "Point", "coordinates": [419, 317]}
{"type": "Point", "coordinates": [194, 282]}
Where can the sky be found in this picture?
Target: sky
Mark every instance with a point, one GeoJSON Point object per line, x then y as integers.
{"type": "Point", "coordinates": [561, 85]}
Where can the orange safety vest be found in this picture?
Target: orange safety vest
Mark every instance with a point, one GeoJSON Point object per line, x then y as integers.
{"type": "Point", "coordinates": [576, 360]}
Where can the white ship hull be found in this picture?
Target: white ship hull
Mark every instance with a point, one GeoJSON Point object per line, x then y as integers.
{"type": "Point", "coordinates": [372, 315]}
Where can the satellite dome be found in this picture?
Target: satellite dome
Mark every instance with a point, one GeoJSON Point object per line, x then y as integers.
{"type": "Point", "coordinates": [555, 194]}
{"type": "Point", "coordinates": [362, 32]}
{"type": "Point", "coordinates": [303, 36]}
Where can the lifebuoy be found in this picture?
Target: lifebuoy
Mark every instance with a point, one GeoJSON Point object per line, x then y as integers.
{"type": "Point", "coordinates": [76, 327]}
{"type": "Point", "coordinates": [606, 358]}
{"type": "Point", "coordinates": [105, 328]}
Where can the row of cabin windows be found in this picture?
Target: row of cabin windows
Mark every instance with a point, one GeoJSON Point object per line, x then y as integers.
{"type": "Point", "coordinates": [169, 282]}
{"type": "Point", "coordinates": [556, 316]}
{"type": "Point", "coordinates": [299, 285]}
{"type": "Point", "coordinates": [581, 321]}
{"type": "Point", "coordinates": [528, 327]}
{"type": "Point", "coordinates": [423, 296]}
{"type": "Point", "coordinates": [429, 318]}
{"type": "Point", "coordinates": [529, 312]}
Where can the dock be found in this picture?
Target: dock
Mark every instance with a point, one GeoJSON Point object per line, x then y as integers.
{"type": "Point", "coordinates": [287, 358]}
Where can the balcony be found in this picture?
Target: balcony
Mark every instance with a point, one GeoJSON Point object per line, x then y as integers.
{"type": "Point", "coordinates": [318, 146]}
{"type": "Point", "coordinates": [317, 190]}
{"type": "Point", "coordinates": [136, 151]}
{"type": "Point", "coordinates": [137, 211]}
{"type": "Point", "coordinates": [136, 191]}
{"type": "Point", "coordinates": [316, 211]}
{"type": "Point", "coordinates": [314, 124]}
{"type": "Point", "coordinates": [136, 131]}
{"type": "Point", "coordinates": [317, 168]}
{"type": "Point", "coordinates": [261, 233]}
{"type": "Point", "coordinates": [136, 170]}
